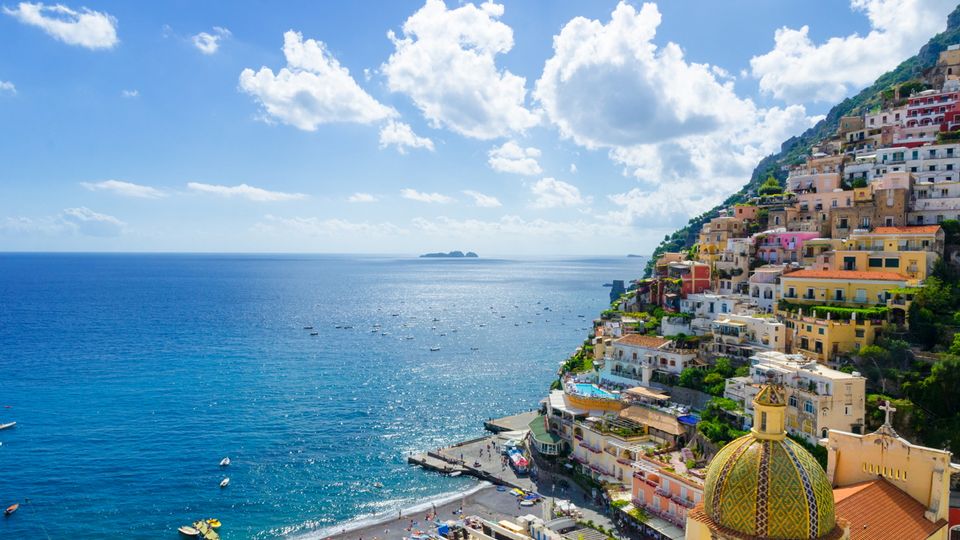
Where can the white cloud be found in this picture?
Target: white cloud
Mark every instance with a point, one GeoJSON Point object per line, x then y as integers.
{"type": "Point", "coordinates": [130, 93]}
{"type": "Point", "coordinates": [511, 158]}
{"type": "Point", "coordinates": [313, 226]}
{"type": "Point", "coordinates": [573, 168]}
{"type": "Point", "coordinates": [87, 222]}
{"type": "Point", "coordinates": [677, 127]}
{"type": "Point", "coordinates": [445, 61]}
{"type": "Point", "coordinates": [362, 198]}
{"type": "Point", "coordinates": [126, 189]}
{"type": "Point", "coordinates": [84, 28]}
{"type": "Point", "coordinates": [552, 193]}
{"type": "Point", "coordinates": [7, 87]}
{"type": "Point", "coordinates": [312, 89]}
{"type": "Point", "coordinates": [415, 195]}
{"type": "Point", "coordinates": [209, 43]}
{"type": "Point", "coordinates": [245, 191]}
{"type": "Point", "coordinates": [481, 200]}
{"type": "Point", "coordinates": [798, 70]}
{"type": "Point", "coordinates": [402, 136]}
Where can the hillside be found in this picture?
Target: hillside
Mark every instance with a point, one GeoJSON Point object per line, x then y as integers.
{"type": "Point", "coordinates": [792, 150]}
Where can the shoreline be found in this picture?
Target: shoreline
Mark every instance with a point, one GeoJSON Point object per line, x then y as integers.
{"type": "Point", "coordinates": [372, 524]}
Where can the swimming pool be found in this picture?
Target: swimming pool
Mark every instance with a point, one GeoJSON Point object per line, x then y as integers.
{"type": "Point", "coordinates": [592, 390]}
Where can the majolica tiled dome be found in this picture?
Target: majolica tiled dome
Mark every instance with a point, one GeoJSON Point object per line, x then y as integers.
{"type": "Point", "coordinates": [769, 489]}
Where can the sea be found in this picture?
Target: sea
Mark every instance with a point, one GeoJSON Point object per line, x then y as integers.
{"type": "Point", "coordinates": [130, 377]}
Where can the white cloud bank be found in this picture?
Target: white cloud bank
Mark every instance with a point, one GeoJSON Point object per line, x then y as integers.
{"type": "Point", "coordinates": [401, 136]}
{"type": "Point", "coordinates": [553, 193]}
{"type": "Point", "coordinates": [419, 196]}
{"type": "Point", "coordinates": [7, 87]}
{"type": "Point", "coordinates": [209, 43]}
{"type": "Point", "coordinates": [126, 189]}
{"type": "Point", "coordinates": [244, 191]}
{"type": "Point", "coordinates": [130, 94]}
{"type": "Point", "coordinates": [362, 198]}
{"type": "Point", "coordinates": [445, 61]}
{"type": "Point", "coordinates": [511, 158]}
{"type": "Point", "coordinates": [798, 70]}
{"type": "Point", "coordinates": [84, 28]}
{"type": "Point", "coordinates": [87, 222]}
{"type": "Point", "coordinates": [313, 88]}
{"type": "Point", "coordinates": [684, 134]}
{"type": "Point", "coordinates": [482, 201]}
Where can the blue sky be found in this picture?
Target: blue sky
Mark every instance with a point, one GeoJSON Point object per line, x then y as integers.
{"type": "Point", "coordinates": [400, 127]}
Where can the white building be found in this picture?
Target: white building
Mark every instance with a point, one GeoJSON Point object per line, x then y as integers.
{"type": "Point", "coordinates": [743, 336]}
{"type": "Point", "coordinates": [818, 398]}
{"type": "Point", "coordinates": [930, 163]}
{"type": "Point", "coordinates": [706, 307]}
{"type": "Point", "coordinates": [934, 202]}
{"type": "Point", "coordinates": [632, 359]}
{"type": "Point", "coordinates": [765, 286]}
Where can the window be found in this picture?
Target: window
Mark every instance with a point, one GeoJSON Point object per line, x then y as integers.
{"type": "Point", "coordinates": [861, 295]}
{"type": "Point", "coordinates": [865, 223]}
{"type": "Point", "coordinates": [891, 263]}
{"type": "Point", "coordinates": [949, 166]}
{"type": "Point", "coordinates": [847, 409]}
{"type": "Point", "coordinates": [914, 155]}
{"type": "Point", "coordinates": [876, 263]}
{"type": "Point", "coordinates": [809, 295]}
{"type": "Point", "coordinates": [808, 407]}
{"type": "Point", "coordinates": [763, 421]}
{"type": "Point", "coordinates": [793, 401]}
{"type": "Point", "coordinates": [820, 331]}
{"type": "Point", "coordinates": [838, 295]}
{"type": "Point", "coordinates": [932, 168]}
{"type": "Point", "coordinates": [843, 223]}
{"type": "Point", "coordinates": [860, 332]}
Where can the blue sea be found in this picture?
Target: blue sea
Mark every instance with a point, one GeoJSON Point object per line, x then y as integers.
{"type": "Point", "coordinates": [131, 376]}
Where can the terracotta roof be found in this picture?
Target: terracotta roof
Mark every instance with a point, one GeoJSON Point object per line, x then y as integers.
{"type": "Point", "coordinates": [915, 229]}
{"type": "Point", "coordinates": [651, 342]}
{"type": "Point", "coordinates": [846, 274]}
{"type": "Point", "coordinates": [877, 510]}
{"type": "Point", "coordinates": [655, 419]}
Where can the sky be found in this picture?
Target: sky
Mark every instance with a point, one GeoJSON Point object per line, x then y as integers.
{"type": "Point", "coordinates": [518, 128]}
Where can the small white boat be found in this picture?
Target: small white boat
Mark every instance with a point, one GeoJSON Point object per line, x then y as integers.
{"type": "Point", "coordinates": [225, 482]}
{"type": "Point", "coordinates": [378, 485]}
{"type": "Point", "coordinates": [7, 426]}
{"type": "Point", "coordinates": [526, 503]}
{"type": "Point", "coordinates": [434, 349]}
{"type": "Point", "coordinates": [225, 462]}
{"type": "Point", "coordinates": [188, 531]}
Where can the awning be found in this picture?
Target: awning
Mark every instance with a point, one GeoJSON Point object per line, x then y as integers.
{"type": "Point", "coordinates": [643, 392]}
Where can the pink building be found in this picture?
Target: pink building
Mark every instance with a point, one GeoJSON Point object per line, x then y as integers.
{"type": "Point", "coordinates": [665, 494]}
{"type": "Point", "coordinates": [780, 245]}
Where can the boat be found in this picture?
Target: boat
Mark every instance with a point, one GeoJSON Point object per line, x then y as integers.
{"type": "Point", "coordinates": [526, 502]}
{"type": "Point", "coordinates": [314, 333]}
{"type": "Point", "coordinates": [206, 531]}
{"type": "Point", "coordinates": [7, 426]}
{"type": "Point", "coordinates": [225, 462]}
{"type": "Point", "coordinates": [11, 509]}
{"type": "Point", "coordinates": [214, 522]}
{"type": "Point", "coordinates": [225, 482]}
{"type": "Point", "coordinates": [434, 349]}
{"type": "Point", "coordinates": [308, 328]}
{"type": "Point", "coordinates": [188, 531]}
{"type": "Point", "coordinates": [378, 485]}
{"type": "Point", "coordinates": [474, 348]}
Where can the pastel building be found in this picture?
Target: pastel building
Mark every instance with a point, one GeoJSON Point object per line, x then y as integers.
{"type": "Point", "coordinates": [742, 336]}
{"type": "Point", "coordinates": [632, 360]}
{"type": "Point", "coordinates": [666, 490]}
{"type": "Point", "coordinates": [818, 398]}
{"type": "Point", "coordinates": [824, 338]}
{"type": "Point", "coordinates": [781, 245]}
{"type": "Point", "coordinates": [933, 203]}
{"type": "Point", "coordinates": [765, 286]}
{"type": "Point", "coordinates": [841, 287]}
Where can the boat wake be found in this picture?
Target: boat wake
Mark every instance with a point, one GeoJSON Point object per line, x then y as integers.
{"type": "Point", "coordinates": [390, 516]}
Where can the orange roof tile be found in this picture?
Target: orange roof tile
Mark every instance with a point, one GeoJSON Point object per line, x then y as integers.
{"type": "Point", "coordinates": [914, 229]}
{"type": "Point", "coordinates": [845, 274]}
{"type": "Point", "coordinates": [637, 340]}
{"type": "Point", "coordinates": [879, 510]}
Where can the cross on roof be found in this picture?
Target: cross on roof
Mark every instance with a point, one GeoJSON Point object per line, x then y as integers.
{"type": "Point", "coordinates": [888, 411]}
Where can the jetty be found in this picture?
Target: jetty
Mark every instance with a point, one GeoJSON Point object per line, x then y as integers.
{"type": "Point", "coordinates": [480, 457]}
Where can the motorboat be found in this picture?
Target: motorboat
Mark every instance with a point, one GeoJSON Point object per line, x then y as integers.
{"type": "Point", "coordinates": [225, 462]}
{"type": "Point", "coordinates": [434, 349]}
{"type": "Point", "coordinates": [7, 426]}
{"type": "Point", "coordinates": [308, 328]}
{"type": "Point", "coordinates": [378, 485]}
{"type": "Point", "coordinates": [214, 522]}
{"type": "Point", "coordinates": [11, 509]}
{"type": "Point", "coordinates": [225, 482]}
{"type": "Point", "coordinates": [314, 333]}
{"type": "Point", "coordinates": [188, 531]}
{"type": "Point", "coordinates": [206, 530]}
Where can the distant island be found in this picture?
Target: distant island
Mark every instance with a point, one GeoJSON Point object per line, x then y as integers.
{"type": "Point", "coordinates": [450, 255]}
{"type": "Point", "coordinates": [634, 255]}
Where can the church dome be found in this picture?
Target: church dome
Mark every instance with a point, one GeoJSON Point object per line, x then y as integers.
{"type": "Point", "coordinates": [769, 489]}
{"type": "Point", "coordinates": [764, 485]}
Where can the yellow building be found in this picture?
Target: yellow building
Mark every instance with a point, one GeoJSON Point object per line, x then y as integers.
{"type": "Point", "coordinates": [910, 238]}
{"type": "Point", "coordinates": [887, 487]}
{"type": "Point", "coordinates": [714, 235]}
{"type": "Point", "coordinates": [839, 287]}
{"type": "Point", "coordinates": [764, 485]}
{"type": "Point", "coordinates": [823, 338]}
{"type": "Point", "coordinates": [915, 265]}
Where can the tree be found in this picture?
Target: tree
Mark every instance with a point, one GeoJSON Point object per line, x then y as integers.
{"type": "Point", "coordinates": [859, 183]}
{"type": "Point", "coordinates": [770, 186]}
